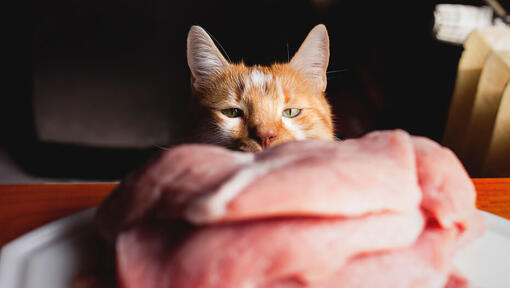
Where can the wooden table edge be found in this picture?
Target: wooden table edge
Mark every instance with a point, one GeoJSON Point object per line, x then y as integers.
{"type": "Point", "coordinates": [28, 206]}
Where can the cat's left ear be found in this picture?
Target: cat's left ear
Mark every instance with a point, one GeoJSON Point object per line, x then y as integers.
{"type": "Point", "coordinates": [204, 58]}
{"type": "Point", "coordinates": [312, 58]}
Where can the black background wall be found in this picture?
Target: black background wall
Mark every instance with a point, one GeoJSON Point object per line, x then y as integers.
{"type": "Point", "coordinates": [393, 73]}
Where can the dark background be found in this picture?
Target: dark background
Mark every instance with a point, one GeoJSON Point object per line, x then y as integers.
{"type": "Point", "coordinates": [99, 85]}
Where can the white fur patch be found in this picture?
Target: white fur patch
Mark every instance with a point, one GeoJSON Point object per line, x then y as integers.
{"type": "Point", "coordinates": [257, 78]}
{"type": "Point", "coordinates": [226, 127]}
{"type": "Point", "coordinates": [213, 206]}
{"type": "Point", "coordinates": [294, 128]}
{"type": "Point", "coordinates": [230, 123]}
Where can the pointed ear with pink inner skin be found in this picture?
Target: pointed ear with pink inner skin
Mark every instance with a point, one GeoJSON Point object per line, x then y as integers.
{"type": "Point", "coordinates": [204, 58]}
{"type": "Point", "coordinates": [312, 58]}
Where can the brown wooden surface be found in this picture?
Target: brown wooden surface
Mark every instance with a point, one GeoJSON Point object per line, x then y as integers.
{"type": "Point", "coordinates": [25, 207]}
{"type": "Point", "coordinates": [493, 195]}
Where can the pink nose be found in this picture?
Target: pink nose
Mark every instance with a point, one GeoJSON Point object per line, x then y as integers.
{"type": "Point", "coordinates": [264, 136]}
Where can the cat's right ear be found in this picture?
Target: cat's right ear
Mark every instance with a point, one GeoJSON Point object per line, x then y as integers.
{"type": "Point", "coordinates": [313, 56]}
{"type": "Point", "coordinates": [204, 58]}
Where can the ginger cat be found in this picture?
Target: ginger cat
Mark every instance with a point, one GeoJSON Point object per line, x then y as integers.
{"type": "Point", "coordinates": [251, 108]}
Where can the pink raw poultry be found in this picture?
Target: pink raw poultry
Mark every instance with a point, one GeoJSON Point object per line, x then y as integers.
{"type": "Point", "coordinates": [301, 214]}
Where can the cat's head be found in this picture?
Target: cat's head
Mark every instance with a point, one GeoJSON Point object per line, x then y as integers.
{"type": "Point", "coordinates": [251, 108]}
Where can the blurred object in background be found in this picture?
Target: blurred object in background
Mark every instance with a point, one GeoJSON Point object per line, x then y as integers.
{"type": "Point", "coordinates": [481, 79]}
{"type": "Point", "coordinates": [453, 23]}
{"type": "Point", "coordinates": [493, 80]}
{"type": "Point", "coordinates": [102, 73]}
{"type": "Point", "coordinates": [499, 10]}
{"type": "Point", "coordinates": [497, 163]}
{"type": "Point", "coordinates": [100, 106]}
{"type": "Point", "coordinates": [477, 48]}
{"type": "Point", "coordinates": [94, 95]}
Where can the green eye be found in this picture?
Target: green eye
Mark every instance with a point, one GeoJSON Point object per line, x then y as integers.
{"type": "Point", "coordinates": [291, 113]}
{"type": "Point", "coordinates": [232, 112]}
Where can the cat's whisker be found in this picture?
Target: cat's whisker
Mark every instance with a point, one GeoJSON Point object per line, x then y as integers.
{"type": "Point", "coordinates": [160, 147]}
{"type": "Point", "coordinates": [221, 47]}
{"type": "Point", "coordinates": [336, 71]}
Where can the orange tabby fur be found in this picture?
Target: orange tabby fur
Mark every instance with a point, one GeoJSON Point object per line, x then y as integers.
{"type": "Point", "coordinates": [261, 93]}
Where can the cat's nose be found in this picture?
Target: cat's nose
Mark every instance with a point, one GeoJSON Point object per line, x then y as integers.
{"type": "Point", "coordinates": [264, 136]}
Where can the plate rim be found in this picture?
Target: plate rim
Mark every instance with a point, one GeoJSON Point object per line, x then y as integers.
{"type": "Point", "coordinates": [13, 254]}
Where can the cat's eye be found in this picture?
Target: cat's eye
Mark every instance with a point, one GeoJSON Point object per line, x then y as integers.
{"type": "Point", "coordinates": [232, 112]}
{"type": "Point", "coordinates": [291, 113]}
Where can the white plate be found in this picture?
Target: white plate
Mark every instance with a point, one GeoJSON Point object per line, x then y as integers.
{"type": "Point", "coordinates": [50, 256]}
{"type": "Point", "coordinates": [486, 261]}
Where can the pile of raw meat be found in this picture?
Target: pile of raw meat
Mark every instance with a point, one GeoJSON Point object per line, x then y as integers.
{"type": "Point", "coordinates": [385, 210]}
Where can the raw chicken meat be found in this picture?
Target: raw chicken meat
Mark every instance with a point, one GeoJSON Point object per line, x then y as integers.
{"type": "Point", "coordinates": [385, 210]}
{"type": "Point", "coordinates": [441, 177]}
{"type": "Point", "coordinates": [174, 177]}
{"type": "Point", "coordinates": [230, 254]}
{"type": "Point", "coordinates": [350, 178]}
{"type": "Point", "coordinates": [210, 184]}
{"type": "Point", "coordinates": [427, 263]}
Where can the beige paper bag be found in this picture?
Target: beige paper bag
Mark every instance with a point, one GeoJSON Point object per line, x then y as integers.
{"type": "Point", "coordinates": [493, 80]}
{"type": "Point", "coordinates": [497, 163]}
{"type": "Point", "coordinates": [477, 48]}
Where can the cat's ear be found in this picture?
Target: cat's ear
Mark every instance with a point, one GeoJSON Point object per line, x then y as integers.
{"type": "Point", "coordinates": [313, 56]}
{"type": "Point", "coordinates": [204, 58]}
